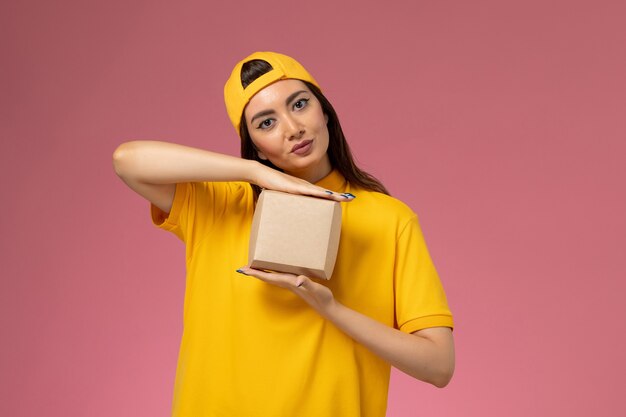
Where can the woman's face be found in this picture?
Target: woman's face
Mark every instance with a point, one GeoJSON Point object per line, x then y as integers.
{"type": "Point", "coordinates": [288, 127]}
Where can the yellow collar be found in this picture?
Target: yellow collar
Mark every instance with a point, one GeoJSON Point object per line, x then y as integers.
{"type": "Point", "coordinates": [334, 181]}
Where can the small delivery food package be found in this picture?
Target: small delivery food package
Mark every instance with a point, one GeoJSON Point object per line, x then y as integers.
{"type": "Point", "coordinates": [295, 233]}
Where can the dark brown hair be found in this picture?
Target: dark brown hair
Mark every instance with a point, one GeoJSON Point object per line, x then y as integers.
{"type": "Point", "coordinates": [338, 150]}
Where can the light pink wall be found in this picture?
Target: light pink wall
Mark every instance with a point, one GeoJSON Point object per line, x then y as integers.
{"type": "Point", "coordinates": [501, 123]}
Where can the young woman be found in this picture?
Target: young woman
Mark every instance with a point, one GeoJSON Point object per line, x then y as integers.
{"type": "Point", "coordinates": [273, 344]}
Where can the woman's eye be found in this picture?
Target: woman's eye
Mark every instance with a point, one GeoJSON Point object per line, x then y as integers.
{"type": "Point", "coordinates": [301, 103]}
{"type": "Point", "coordinates": [266, 124]}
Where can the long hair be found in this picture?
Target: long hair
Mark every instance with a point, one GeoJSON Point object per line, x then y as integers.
{"type": "Point", "coordinates": [338, 150]}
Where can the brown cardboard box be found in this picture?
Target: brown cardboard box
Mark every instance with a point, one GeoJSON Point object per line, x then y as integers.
{"type": "Point", "coordinates": [295, 233]}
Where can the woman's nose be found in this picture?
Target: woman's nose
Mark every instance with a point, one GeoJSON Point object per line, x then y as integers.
{"type": "Point", "coordinates": [293, 129]}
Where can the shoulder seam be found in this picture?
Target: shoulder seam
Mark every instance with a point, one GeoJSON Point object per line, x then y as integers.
{"type": "Point", "coordinates": [406, 224]}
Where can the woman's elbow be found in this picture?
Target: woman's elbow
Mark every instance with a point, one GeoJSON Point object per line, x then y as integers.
{"type": "Point", "coordinates": [122, 158]}
{"type": "Point", "coordinates": [440, 362]}
{"type": "Point", "coordinates": [441, 373]}
{"type": "Point", "coordinates": [443, 378]}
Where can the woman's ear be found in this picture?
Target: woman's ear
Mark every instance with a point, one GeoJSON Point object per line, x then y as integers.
{"type": "Point", "coordinates": [326, 118]}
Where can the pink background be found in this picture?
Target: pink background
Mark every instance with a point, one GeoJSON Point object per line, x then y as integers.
{"type": "Point", "coordinates": [503, 124]}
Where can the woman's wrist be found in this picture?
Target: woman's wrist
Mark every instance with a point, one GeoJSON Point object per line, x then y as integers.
{"type": "Point", "coordinates": [331, 310]}
{"type": "Point", "coordinates": [253, 171]}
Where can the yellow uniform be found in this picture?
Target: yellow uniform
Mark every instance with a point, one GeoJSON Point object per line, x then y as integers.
{"type": "Point", "coordinates": [250, 349]}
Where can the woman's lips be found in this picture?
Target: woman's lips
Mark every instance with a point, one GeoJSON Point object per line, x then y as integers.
{"type": "Point", "coordinates": [302, 147]}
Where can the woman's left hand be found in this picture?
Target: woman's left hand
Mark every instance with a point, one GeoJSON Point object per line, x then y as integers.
{"type": "Point", "coordinates": [316, 295]}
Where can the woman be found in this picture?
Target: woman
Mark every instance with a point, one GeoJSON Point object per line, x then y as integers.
{"type": "Point", "coordinates": [274, 344]}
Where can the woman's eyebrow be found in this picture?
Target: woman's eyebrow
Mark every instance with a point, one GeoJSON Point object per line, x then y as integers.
{"type": "Point", "coordinates": [294, 95]}
{"type": "Point", "coordinates": [261, 114]}
{"type": "Point", "coordinates": [268, 112]}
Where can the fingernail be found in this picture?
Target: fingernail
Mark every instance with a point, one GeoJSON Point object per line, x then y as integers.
{"type": "Point", "coordinates": [329, 192]}
{"type": "Point", "coordinates": [241, 272]}
{"type": "Point", "coordinates": [348, 195]}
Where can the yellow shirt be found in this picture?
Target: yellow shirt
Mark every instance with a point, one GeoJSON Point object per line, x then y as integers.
{"type": "Point", "coordinates": [250, 349]}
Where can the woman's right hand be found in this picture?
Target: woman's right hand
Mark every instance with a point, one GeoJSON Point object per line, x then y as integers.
{"type": "Point", "coordinates": [271, 179]}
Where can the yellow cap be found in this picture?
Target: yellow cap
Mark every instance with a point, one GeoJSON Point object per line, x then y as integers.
{"type": "Point", "coordinates": [283, 67]}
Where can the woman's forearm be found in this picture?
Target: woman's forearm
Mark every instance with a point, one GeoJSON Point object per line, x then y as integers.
{"type": "Point", "coordinates": [155, 162]}
{"type": "Point", "coordinates": [152, 169]}
{"type": "Point", "coordinates": [427, 355]}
